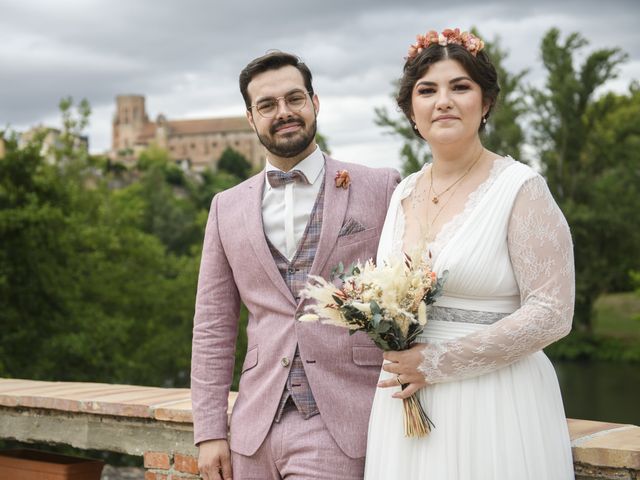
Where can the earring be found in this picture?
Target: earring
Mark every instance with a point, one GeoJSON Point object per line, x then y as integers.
{"type": "Point", "coordinates": [484, 120]}
{"type": "Point", "coordinates": [415, 126]}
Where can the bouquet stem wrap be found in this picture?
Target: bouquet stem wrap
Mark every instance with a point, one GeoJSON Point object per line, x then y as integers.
{"type": "Point", "coordinates": [416, 421]}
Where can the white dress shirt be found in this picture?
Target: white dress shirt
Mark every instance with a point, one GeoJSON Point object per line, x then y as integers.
{"type": "Point", "coordinates": [286, 210]}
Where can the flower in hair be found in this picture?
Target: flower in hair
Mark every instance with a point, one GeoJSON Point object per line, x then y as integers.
{"type": "Point", "coordinates": [448, 37]}
{"type": "Point", "coordinates": [430, 37]}
{"type": "Point", "coordinates": [452, 36]}
{"type": "Point", "coordinates": [472, 43]}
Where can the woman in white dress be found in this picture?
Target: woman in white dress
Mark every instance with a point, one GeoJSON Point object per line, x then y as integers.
{"type": "Point", "coordinates": [491, 222]}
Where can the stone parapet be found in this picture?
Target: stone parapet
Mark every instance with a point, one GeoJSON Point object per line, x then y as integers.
{"type": "Point", "coordinates": [605, 450]}
{"type": "Point", "coordinates": [156, 423]}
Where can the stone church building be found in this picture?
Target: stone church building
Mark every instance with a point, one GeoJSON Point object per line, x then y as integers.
{"type": "Point", "coordinates": [193, 144]}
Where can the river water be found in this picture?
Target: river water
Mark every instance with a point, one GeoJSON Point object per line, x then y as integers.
{"type": "Point", "coordinates": [604, 391]}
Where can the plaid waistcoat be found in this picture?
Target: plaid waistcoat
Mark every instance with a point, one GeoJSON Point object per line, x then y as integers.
{"type": "Point", "coordinates": [295, 273]}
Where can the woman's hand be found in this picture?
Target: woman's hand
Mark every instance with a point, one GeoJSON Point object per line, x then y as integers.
{"type": "Point", "coordinates": [404, 365]}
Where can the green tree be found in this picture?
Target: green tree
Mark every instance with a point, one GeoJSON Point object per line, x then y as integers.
{"type": "Point", "coordinates": [323, 143]}
{"type": "Point", "coordinates": [33, 226]}
{"type": "Point", "coordinates": [570, 132]}
{"type": "Point", "coordinates": [503, 133]}
{"type": "Point", "coordinates": [604, 216]}
{"type": "Point", "coordinates": [96, 283]}
{"type": "Point", "coordinates": [98, 278]}
{"type": "Point", "coordinates": [233, 162]}
{"type": "Point", "coordinates": [73, 126]}
{"type": "Point", "coordinates": [208, 185]}
{"type": "Point", "coordinates": [87, 294]}
{"type": "Point", "coordinates": [414, 152]}
{"type": "Point", "coordinates": [161, 192]}
{"type": "Point", "coordinates": [635, 278]}
{"type": "Point", "coordinates": [559, 108]}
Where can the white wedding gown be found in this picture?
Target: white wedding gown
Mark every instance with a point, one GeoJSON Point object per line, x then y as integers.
{"type": "Point", "coordinates": [493, 395]}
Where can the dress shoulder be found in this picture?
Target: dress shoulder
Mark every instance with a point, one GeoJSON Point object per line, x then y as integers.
{"type": "Point", "coordinates": [407, 184]}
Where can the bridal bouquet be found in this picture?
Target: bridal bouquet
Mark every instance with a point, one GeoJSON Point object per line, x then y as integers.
{"type": "Point", "coordinates": [389, 303]}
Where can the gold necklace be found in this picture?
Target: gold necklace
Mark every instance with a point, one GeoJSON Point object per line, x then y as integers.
{"type": "Point", "coordinates": [430, 224]}
{"type": "Point", "coordinates": [436, 196]}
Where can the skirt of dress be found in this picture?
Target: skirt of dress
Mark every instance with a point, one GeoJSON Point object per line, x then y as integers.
{"type": "Point", "coordinates": [505, 425]}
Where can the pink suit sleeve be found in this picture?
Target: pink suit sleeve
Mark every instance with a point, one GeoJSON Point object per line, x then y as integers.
{"type": "Point", "coordinates": [214, 335]}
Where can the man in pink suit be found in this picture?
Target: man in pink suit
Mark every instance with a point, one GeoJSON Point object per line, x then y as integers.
{"type": "Point", "coordinates": [306, 389]}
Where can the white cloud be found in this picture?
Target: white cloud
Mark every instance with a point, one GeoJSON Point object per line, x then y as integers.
{"type": "Point", "coordinates": [185, 57]}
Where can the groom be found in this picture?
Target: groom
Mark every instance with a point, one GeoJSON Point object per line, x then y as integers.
{"type": "Point", "coordinates": [306, 389]}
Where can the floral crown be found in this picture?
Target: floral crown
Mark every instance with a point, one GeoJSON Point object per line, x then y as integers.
{"type": "Point", "coordinates": [448, 37]}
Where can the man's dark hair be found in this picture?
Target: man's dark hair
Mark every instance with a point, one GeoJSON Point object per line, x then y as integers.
{"type": "Point", "coordinates": [479, 68]}
{"type": "Point", "coordinates": [272, 61]}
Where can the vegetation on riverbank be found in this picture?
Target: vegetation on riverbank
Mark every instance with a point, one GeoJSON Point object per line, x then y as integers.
{"type": "Point", "coordinates": [616, 332]}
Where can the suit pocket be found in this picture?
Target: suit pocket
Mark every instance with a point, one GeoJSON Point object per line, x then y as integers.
{"type": "Point", "coordinates": [350, 227]}
{"type": "Point", "coordinates": [251, 359]}
{"type": "Point", "coordinates": [367, 356]}
{"type": "Point", "coordinates": [358, 237]}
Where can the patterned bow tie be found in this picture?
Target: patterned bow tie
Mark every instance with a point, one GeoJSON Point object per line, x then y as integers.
{"type": "Point", "coordinates": [277, 178]}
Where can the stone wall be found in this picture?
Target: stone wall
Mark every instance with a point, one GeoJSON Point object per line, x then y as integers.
{"type": "Point", "coordinates": [156, 423]}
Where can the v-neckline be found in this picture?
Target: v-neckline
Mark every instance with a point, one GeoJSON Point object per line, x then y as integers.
{"type": "Point", "coordinates": [449, 229]}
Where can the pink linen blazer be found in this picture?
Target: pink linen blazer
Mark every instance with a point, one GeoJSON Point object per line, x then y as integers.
{"type": "Point", "coordinates": [236, 267]}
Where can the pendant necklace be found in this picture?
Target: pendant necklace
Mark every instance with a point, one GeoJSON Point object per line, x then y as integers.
{"type": "Point", "coordinates": [431, 223]}
{"type": "Point", "coordinates": [435, 199]}
{"type": "Point", "coordinates": [436, 196]}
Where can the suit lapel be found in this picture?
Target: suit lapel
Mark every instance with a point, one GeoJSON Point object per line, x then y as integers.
{"type": "Point", "coordinates": [336, 201]}
{"type": "Point", "coordinates": [255, 233]}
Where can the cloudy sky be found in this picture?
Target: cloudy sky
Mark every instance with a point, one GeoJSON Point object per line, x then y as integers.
{"type": "Point", "coordinates": [185, 56]}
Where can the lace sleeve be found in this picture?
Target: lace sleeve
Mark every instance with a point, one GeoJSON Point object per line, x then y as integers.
{"type": "Point", "coordinates": [541, 253]}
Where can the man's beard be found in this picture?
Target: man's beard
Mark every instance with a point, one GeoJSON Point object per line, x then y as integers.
{"type": "Point", "coordinates": [289, 145]}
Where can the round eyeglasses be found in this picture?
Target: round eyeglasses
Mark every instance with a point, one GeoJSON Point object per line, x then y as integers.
{"type": "Point", "coordinates": [268, 107]}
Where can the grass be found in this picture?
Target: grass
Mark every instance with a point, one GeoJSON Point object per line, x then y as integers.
{"type": "Point", "coordinates": [618, 315]}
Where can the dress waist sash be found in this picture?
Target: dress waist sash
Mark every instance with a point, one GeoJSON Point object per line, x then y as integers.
{"type": "Point", "coordinates": [448, 323]}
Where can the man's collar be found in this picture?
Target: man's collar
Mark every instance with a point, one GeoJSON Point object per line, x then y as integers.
{"type": "Point", "coordinates": [312, 166]}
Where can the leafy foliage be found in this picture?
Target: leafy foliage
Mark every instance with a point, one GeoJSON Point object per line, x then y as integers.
{"type": "Point", "coordinates": [323, 143]}
{"type": "Point", "coordinates": [504, 134]}
{"type": "Point", "coordinates": [99, 265]}
{"type": "Point", "coordinates": [588, 151]}
{"type": "Point", "coordinates": [235, 163]}
{"type": "Point", "coordinates": [560, 125]}
{"type": "Point", "coordinates": [414, 152]}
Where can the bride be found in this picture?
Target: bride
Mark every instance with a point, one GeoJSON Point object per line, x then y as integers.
{"type": "Point", "coordinates": [491, 222]}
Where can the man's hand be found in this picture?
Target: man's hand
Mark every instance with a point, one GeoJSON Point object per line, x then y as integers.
{"type": "Point", "coordinates": [214, 460]}
{"type": "Point", "coordinates": [404, 365]}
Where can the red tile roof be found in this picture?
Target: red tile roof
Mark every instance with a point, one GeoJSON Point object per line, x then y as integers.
{"type": "Point", "coordinates": [196, 127]}
{"type": "Point", "coordinates": [209, 125]}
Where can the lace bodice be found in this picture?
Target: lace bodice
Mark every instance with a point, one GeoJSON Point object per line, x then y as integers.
{"type": "Point", "coordinates": [509, 251]}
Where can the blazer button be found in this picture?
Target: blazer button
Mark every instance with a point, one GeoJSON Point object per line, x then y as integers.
{"type": "Point", "coordinates": [291, 270]}
{"type": "Point", "coordinates": [284, 362]}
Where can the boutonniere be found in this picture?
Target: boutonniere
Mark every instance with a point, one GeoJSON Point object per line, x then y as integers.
{"type": "Point", "coordinates": [343, 179]}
